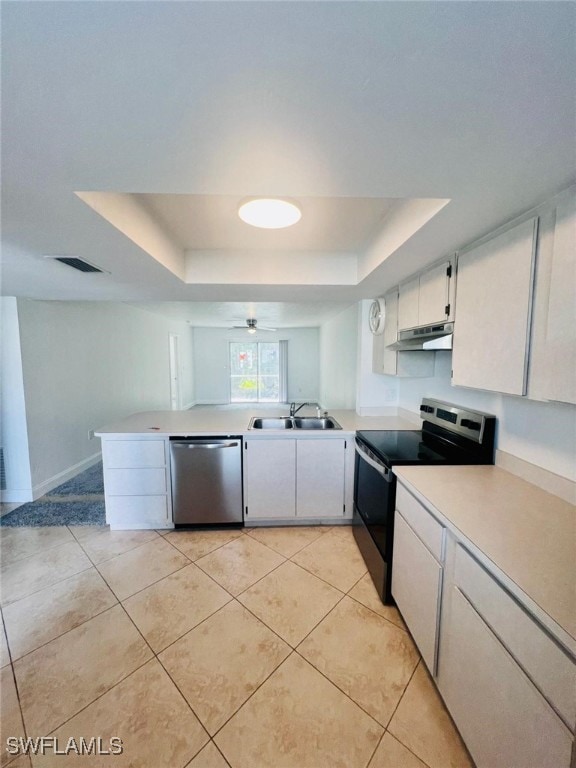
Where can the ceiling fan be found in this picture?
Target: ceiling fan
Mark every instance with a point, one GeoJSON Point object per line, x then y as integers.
{"type": "Point", "coordinates": [251, 326]}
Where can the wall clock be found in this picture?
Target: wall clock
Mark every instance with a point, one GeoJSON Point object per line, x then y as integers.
{"type": "Point", "coordinates": [376, 316]}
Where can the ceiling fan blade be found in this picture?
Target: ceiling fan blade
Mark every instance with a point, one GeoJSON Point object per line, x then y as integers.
{"type": "Point", "coordinates": [265, 328]}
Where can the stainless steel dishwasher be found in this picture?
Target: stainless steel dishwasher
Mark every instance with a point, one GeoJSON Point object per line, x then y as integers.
{"type": "Point", "coordinates": [206, 480]}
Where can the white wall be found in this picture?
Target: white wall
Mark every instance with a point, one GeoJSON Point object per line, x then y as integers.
{"type": "Point", "coordinates": [338, 357]}
{"type": "Point", "coordinates": [540, 433]}
{"type": "Point", "coordinates": [14, 435]}
{"type": "Point", "coordinates": [211, 362]}
{"type": "Point", "coordinates": [84, 365]}
{"type": "Point", "coordinates": [374, 392]}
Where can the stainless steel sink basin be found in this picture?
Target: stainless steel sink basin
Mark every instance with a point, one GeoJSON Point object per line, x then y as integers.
{"type": "Point", "coordinates": [270, 423]}
{"type": "Point", "coordinates": [295, 422]}
{"type": "Point", "coordinates": [311, 422]}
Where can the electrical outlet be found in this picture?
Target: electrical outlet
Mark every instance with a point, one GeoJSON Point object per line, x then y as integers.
{"type": "Point", "coordinates": [90, 434]}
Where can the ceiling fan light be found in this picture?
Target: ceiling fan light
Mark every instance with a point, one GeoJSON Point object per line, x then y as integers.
{"type": "Point", "coordinates": [251, 329]}
{"type": "Point", "coordinates": [269, 213]}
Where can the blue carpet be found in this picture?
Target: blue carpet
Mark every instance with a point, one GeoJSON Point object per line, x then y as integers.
{"type": "Point", "coordinates": [89, 481]}
{"type": "Point", "coordinates": [41, 513]}
{"type": "Point", "coordinates": [65, 504]}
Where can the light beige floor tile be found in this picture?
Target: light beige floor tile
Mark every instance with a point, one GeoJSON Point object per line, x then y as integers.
{"type": "Point", "coordinates": [23, 761]}
{"type": "Point", "coordinates": [19, 542]}
{"type": "Point", "coordinates": [237, 565]}
{"type": "Point", "coordinates": [422, 723]}
{"type": "Point", "coordinates": [107, 544]}
{"type": "Point", "coordinates": [365, 592]}
{"type": "Point", "coordinates": [220, 663]}
{"type": "Point", "coordinates": [147, 712]}
{"type": "Point", "coordinates": [60, 678]}
{"type": "Point", "coordinates": [298, 719]}
{"type": "Point", "coordinates": [209, 757]}
{"type": "Point", "coordinates": [335, 558]}
{"type": "Point", "coordinates": [286, 540]}
{"type": "Point", "coordinates": [81, 532]}
{"type": "Point", "coordinates": [291, 601]}
{"type": "Point", "coordinates": [364, 655]}
{"type": "Point", "coordinates": [40, 570]}
{"type": "Point", "coordinates": [392, 754]}
{"type": "Point", "coordinates": [196, 544]}
{"type": "Point", "coordinates": [4, 655]}
{"type": "Point", "coordinates": [10, 717]}
{"type": "Point", "coordinates": [171, 607]}
{"type": "Point", "coordinates": [140, 567]}
{"type": "Point", "coordinates": [49, 613]}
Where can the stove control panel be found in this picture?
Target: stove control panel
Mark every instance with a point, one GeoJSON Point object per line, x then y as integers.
{"type": "Point", "coordinates": [475, 425]}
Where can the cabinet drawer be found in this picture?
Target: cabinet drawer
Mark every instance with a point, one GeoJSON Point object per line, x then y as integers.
{"type": "Point", "coordinates": [137, 512]}
{"type": "Point", "coordinates": [551, 670]}
{"type": "Point", "coordinates": [134, 453]}
{"type": "Point", "coordinates": [135, 481]}
{"type": "Point", "coordinates": [427, 527]}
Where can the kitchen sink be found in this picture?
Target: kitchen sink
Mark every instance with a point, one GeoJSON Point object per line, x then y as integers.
{"type": "Point", "coordinates": [311, 422]}
{"type": "Point", "coordinates": [295, 422]}
{"type": "Point", "coordinates": [270, 423]}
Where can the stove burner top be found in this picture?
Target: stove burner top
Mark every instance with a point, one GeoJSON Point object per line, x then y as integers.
{"type": "Point", "coordinates": [403, 447]}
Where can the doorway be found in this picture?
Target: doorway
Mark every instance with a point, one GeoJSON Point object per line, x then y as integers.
{"type": "Point", "coordinates": [175, 397]}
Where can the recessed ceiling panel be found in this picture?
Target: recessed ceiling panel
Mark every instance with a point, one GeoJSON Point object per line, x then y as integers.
{"type": "Point", "coordinates": [211, 222]}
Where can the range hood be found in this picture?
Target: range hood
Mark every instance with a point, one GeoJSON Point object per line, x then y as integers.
{"type": "Point", "coordinates": [427, 337]}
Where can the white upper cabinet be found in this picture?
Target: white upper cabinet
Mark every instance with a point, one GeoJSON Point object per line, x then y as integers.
{"type": "Point", "coordinates": [408, 304]}
{"type": "Point", "coordinates": [391, 362]}
{"type": "Point", "coordinates": [492, 319]}
{"type": "Point", "coordinates": [434, 295]}
{"type": "Point", "coordinates": [426, 299]}
{"type": "Point", "coordinates": [553, 349]}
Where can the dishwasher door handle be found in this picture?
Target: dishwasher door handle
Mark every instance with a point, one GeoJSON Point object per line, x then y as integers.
{"type": "Point", "coordinates": [204, 445]}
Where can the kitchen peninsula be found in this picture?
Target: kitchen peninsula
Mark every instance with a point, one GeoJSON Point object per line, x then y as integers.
{"type": "Point", "coordinates": [137, 476]}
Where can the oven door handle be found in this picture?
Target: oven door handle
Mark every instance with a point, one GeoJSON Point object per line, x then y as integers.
{"type": "Point", "coordinates": [386, 472]}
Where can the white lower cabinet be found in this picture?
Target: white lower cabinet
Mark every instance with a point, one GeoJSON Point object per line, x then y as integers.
{"type": "Point", "coordinates": [137, 484]}
{"type": "Point", "coordinates": [320, 468]}
{"type": "Point", "coordinates": [509, 685]}
{"type": "Point", "coordinates": [416, 587]}
{"type": "Point", "coordinates": [269, 472]}
{"type": "Point", "coordinates": [503, 719]}
{"type": "Point", "coordinates": [288, 479]}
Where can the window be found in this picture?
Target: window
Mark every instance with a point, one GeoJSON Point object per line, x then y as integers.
{"type": "Point", "coordinates": [257, 371]}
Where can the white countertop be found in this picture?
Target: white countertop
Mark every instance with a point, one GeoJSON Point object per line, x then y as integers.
{"type": "Point", "coordinates": [527, 533]}
{"type": "Point", "coordinates": [234, 421]}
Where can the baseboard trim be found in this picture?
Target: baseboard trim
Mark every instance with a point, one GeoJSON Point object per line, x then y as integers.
{"type": "Point", "coordinates": [559, 486]}
{"type": "Point", "coordinates": [43, 488]}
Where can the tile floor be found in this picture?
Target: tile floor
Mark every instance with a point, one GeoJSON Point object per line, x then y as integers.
{"type": "Point", "coordinates": [251, 649]}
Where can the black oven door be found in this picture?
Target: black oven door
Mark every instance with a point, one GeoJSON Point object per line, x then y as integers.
{"type": "Point", "coordinates": [374, 501]}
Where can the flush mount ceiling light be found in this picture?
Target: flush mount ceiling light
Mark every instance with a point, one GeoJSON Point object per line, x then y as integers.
{"type": "Point", "coordinates": [269, 213]}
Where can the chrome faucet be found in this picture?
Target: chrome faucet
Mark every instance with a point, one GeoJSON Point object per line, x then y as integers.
{"type": "Point", "coordinates": [294, 410]}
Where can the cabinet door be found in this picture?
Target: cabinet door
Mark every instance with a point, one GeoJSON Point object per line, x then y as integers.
{"type": "Point", "coordinates": [493, 303]}
{"type": "Point", "coordinates": [503, 719]}
{"type": "Point", "coordinates": [434, 295]}
{"type": "Point", "coordinates": [416, 587]}
{"type": "Point", "coordinates": [408, 304]}
{"type": "Point", "coordinates": [320, 477]}
{"type": "Point", "coordinates": [560, 333]}
{"type": "Point", "coordinates": [269, 478]}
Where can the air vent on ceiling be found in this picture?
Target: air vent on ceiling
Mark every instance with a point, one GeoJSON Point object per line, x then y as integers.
{"type": "Point", "coordinates": [76, 263]}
